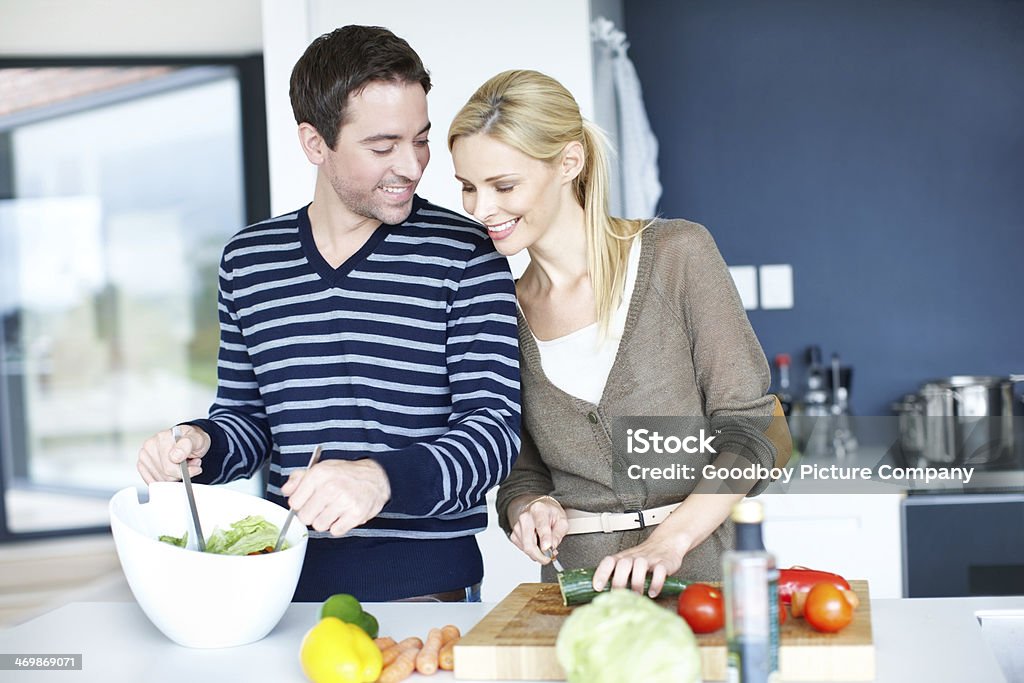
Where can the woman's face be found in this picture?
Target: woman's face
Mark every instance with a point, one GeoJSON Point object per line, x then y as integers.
{"type": "Point", "coordinates": [514, 195]}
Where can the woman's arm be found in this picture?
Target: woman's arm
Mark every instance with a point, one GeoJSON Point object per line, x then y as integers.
{"type": "Point", "coordinates": [533, 520]}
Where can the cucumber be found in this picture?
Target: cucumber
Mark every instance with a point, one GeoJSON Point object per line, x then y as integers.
{"type": "Point", "coordinates": [577, 586]}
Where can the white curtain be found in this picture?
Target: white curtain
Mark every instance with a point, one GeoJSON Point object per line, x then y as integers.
{"type": "Point", "coordinates": [619, 110]}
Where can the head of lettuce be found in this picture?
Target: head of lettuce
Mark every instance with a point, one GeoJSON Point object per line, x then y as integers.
{"type": "Point", "coordinates": [247, 536]}
{"type": "Point", "coordinates": [623, 636]}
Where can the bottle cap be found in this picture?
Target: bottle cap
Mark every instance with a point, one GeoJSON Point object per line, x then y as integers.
{"type": "Point", "coordinates": [747, 511]}
{"type": "Point", "coordinates": [782, 359]}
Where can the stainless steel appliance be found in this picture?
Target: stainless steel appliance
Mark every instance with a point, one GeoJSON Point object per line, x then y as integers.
{"type": "Point", "coordinates": [960, 419]}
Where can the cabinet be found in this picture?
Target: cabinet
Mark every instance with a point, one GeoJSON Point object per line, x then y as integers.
{"type": "Point", "coordinates": [856, 535]}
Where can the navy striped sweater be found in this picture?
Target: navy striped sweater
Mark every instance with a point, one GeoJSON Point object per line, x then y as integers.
{"type": "Point", "coordinates": [407, 353]}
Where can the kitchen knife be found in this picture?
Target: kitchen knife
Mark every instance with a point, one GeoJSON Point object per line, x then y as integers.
{"type": "Point", "coordinates": [553, 556]}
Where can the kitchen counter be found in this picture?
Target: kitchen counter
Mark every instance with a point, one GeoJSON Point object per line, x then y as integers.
{"type": "Point", "coordinates": [934, 640]}
{"type": "Point", "coordinates": [1006, 477]}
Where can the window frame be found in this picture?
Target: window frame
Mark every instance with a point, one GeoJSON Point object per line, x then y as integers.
{"type": "Point", "coordinates": [256, 190]}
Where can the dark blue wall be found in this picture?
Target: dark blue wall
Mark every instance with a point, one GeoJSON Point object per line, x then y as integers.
{"type": "Point", "coordinates": [876, 146]}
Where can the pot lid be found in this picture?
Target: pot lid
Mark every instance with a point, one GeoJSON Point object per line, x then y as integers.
{"type": "Point", "coordinates": [957, 381]}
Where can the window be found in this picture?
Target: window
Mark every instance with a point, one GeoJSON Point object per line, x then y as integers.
{"type": "Point", "coordinates": [119, 185]}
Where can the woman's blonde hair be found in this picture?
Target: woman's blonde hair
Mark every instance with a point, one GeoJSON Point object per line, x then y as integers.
{"type": "Point", "coordinates": [535, 114]}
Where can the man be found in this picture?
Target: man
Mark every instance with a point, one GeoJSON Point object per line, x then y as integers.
{"type": "Point", "coordinates": [374, 324]}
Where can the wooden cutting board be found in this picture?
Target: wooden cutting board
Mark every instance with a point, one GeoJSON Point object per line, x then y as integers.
{"type": "Point", "coordinates": [516, 641]}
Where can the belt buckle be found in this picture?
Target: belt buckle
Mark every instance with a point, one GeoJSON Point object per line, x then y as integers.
{"type": "Point", "coordinates": [639, 518]}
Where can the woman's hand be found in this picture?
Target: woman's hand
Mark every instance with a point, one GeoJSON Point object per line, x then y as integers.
{"type": "Point", "coordinates": [539, 523]}
{"type": "Point", "coordinates": [659, 556]}
{"type": "Point", "coordinates": [662, 553]}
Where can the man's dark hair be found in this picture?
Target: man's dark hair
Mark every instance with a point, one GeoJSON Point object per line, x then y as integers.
{"type": "Point", "coordinates": [342, 63]}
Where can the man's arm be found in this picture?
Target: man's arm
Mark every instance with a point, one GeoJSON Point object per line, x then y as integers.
{"type": "Point", "coordinates": [237, 425]}
{"type": "Point", "coordinates": [453, 472]}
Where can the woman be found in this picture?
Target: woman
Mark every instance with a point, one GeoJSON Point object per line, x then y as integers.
{"type": "Point", "coordinates": [617, 318]}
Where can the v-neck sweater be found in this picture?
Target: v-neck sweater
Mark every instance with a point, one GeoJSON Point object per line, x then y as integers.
{"type": "Point", "coordinates": [405, 354]}
{"type": "Point", "coordinates": [688, 350]}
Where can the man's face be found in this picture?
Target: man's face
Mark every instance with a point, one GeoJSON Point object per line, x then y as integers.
{"type": "Point", "coordinates": [381, 151]}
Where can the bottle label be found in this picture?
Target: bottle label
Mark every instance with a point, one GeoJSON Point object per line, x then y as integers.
{"type": "Point", "coordinates": [773, 622]}
{"type": "Point", "coordinates": [749, 662]}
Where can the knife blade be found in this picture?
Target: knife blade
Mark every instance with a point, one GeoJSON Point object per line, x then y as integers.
{"type": "Point", "coordinates": [553, 556]}
{"type": "Point", "coordinates": [187, 480]}
{"type": "Point", "coordinates": [291, 513]}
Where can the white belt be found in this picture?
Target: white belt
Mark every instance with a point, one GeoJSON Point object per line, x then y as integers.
{"type": "Point", "coordinates": [581, 522]}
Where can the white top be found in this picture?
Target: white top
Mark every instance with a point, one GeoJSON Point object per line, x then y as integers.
{"type": "Point", "coordinates": [579, 362]}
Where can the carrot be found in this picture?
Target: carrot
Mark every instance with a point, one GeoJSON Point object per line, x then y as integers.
{"type": "Point", "coordinates": [392, 653]}
{"type": "Point", "coordinates": [401, 668]}
{"type": "Point", "coordinates": [384, 642]}
{"type": "Point", "coordinates": [450, 635]}
{"type": "Point", "coordinates": [426, 660]}
{"type": "Point", "coordinates": [446, 658]}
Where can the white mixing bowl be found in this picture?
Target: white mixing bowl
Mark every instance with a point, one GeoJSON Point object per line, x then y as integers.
{"type": "Point", "coordinates": [199, 599]}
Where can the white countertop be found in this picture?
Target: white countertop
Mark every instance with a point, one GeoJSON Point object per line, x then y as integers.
{"type": "Point", "coordinates": [933, 640]}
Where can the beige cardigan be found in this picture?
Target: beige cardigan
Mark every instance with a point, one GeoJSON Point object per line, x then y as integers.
{"type": "Point", "coordinates": [687, 350]}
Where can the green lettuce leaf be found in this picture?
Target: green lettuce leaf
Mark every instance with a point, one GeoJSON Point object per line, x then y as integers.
{"type": "Point", "coordinates": [179, 541]}
{"type": "Point", "coordinates": [248, 535]}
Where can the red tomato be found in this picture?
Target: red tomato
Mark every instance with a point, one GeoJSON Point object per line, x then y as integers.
{"type": "Point", "coordinates": [703, 607]}
{"type": "Point", "coordinates": [827, 609]}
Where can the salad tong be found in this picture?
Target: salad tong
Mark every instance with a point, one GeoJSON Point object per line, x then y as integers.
{"type": "Point", "coordinates": [291, 513]}
{"type": "Point", "coordinates": [187, 480]}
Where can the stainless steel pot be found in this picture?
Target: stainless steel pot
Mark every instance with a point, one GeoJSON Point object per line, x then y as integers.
{"type": "Point", "coordinates": [960, 419]}
{"type": "Point", "coordinates": [910, 411]}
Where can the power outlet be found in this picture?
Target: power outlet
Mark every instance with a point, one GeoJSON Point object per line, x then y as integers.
{"type": "Point", "coordinates": [776, 286]}
{"type": "Point", "coordinates": [745, 278]}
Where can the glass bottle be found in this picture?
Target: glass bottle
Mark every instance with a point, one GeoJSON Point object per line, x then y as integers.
{"type": "Point", "coordinates": [750, 584]}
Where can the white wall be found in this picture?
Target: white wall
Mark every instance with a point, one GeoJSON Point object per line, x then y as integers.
{"type": "Point", "coordinates": [462, 44]}
{"type": "Point", "coordinates": [51, 28]}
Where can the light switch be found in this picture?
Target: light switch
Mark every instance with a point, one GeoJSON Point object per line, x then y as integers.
{"type": "Point", "coordinates": [776, 286]}
{"type": "Point", "coordinates": [745, 278]}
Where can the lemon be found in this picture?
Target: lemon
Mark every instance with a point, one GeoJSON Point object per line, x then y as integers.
{"type": "Point", "coordinates": [343, 606]}
{"type": "Point", "coordinates": [336, 652]}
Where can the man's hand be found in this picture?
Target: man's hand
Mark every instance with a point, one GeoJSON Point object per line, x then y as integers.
{"type": "Point", "coordinates": [338, 495]}
{"type": "Point", "coordinates": [160, 457]}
